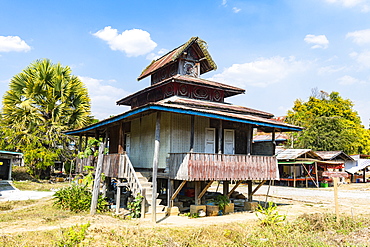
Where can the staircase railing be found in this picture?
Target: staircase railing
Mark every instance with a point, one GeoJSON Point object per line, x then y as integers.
{"type": "Point", "coordinates": [133, 181]}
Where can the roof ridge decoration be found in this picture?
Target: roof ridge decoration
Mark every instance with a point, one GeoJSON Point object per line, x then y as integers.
{"type": "Point", "coordinates": [152, 67]}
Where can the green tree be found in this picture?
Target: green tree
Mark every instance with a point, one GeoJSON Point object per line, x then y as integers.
{"type": "Point", "coordinates": [330, 124]}
{"type": "Point", "coordinates": [43, 100]}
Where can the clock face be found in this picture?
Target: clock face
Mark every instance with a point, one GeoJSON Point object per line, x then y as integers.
{"type": "Point", "coordinates": [190, 69]}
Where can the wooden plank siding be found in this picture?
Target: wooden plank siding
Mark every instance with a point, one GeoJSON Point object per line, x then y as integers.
{"type": "Point", "coordinates": [202, 167]}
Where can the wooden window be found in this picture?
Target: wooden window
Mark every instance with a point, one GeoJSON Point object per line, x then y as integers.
{"type": "Point", "coordinates": [229, 141]}
{"type": "Point", "coordinates": [210, 140]}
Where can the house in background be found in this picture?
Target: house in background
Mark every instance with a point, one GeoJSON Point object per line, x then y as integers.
{"type": "Point", "coordinates": [7, 160]}
{"type": "Point", "coordinates": [307, 166]}
{"type": "Point", "coordinates": [358, 168]}
{"type": "Point", "coordinates": [180, 133]}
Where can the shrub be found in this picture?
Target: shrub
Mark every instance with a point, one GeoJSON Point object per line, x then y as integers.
{"type": "Point", "coordinates": [270, 215]}
{"type": "Point", "coordinates": [73, 236]}
{"type": "Point", "coordinates": [135, 206]}
{"type": "Point", "coordinates": [77, 198]}
{"type": "Point", "coordinates": [20, 173]}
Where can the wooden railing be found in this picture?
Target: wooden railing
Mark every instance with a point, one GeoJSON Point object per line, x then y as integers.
{"type": "Point", "coordinates": [114, 166]}
{"type": "Point", "coordinates": [207, 166]}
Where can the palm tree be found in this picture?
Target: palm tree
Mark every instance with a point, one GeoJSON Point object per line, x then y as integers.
{"type": "Point", "coordinates": [43, 100]}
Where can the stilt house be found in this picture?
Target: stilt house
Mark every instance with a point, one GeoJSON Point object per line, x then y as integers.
{"type": "Point", "coordinates": [180, 131]}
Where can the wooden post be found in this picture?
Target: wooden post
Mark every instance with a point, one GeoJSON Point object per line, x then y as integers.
{"type": "Point", "coordinates": [169, 192]}
{"type": "Point", "coordinates": [249, 139]}
{"type": "Point", "coordinates": [197, 191]}
{"type": "Point", "coordinates": [250, 193]}
{"type": "Point", "coordinates": [80, 143]}
{"type": "Point", "coordinates": [225, 188]}
{"type": "Point", "coordinates": [273, 142]}
{"type": "Point", "coordinates": [335, 181]}
{"type": "Point", "coordinates": [294, 176]}
{"type": "Point", "coordinates": [220, 137]}
{"type": "Point", "coordinates": [120, 139]}
{"type": "Point", "coordinates": [143, 203]}
{"type": "Point", "coordinates": [95, 195]}
{"type": "Point", "coordinates": [364, 175]}
{"type": "Point", "coordinates": [192, 134]}
{"type": "Point", "coordinates": [317, 176]}
{"type": "Point", "coordinates": [155, 165]}
{"type": "Point", "coordinates": [118, 196]}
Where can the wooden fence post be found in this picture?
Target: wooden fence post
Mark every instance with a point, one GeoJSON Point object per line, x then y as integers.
{"type": "Point", "coordinates": [95, 195]}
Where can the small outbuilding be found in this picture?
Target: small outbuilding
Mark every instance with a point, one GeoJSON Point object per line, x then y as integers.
{"type": "Point", "coordinates": [7, 160]}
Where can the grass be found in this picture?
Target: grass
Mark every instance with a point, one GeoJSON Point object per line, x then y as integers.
{"type": "Point", "coordinates": [41, 224]}
{"type": "Point", "coordinates": [306, 230]}
{"type": "Point", "coordinates": [42, 185]}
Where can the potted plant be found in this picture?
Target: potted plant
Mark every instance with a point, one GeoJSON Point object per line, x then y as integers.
{"type": "Point", "coordinates": [220, 202]}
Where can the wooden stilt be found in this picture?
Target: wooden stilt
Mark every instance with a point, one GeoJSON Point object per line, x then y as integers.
{"type": "Point", "coordinates": [155, 165]}
{"type": "Point", "coordinates": [250, 194]}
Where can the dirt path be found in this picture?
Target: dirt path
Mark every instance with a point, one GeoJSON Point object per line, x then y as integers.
{"type": "Point", "coordinates": [353, 199]}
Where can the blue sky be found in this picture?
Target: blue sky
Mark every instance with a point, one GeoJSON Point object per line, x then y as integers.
{"type": "Point", "coordinates": [277, 50]}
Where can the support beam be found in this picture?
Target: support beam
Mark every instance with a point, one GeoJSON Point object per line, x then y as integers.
{"type": "Point", "coordinates": [192, 127]}
{"type": "Point", "coordinates": [95, 194]}
{"type": "Point", "coordinates": [120, 139]}
{"type": "Point", "coordinates": [118, 196]}
{"type": "Point", "coordinates": [220, 137]}
{"type": "Point", "coordinates": [250, 194]}
{"type": "Point", "coordinates": [258, 186]}
{"type": "Point", "coordinates": [177, 191]}
{"type": "Point", "coordinates": [197, 192]}
{"type": "Point", "coordinates": [234, 188]}
{"type": "Point", "coordinates": [249, 139]}
{"type": "Point", "coordinates": [169, 192]}
{"type": "Point", "coordinates": [155, 165]}
{"type": "Point", "coordinates": [317, 176]}
{"type": "Point", "coordinates": [225, 187]}
{"type": "Point", "coordinates": [204, 190]}
{"type": "Point", "coordinates": [273, 142]}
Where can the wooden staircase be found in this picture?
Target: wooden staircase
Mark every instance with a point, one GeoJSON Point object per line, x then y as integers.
{"type": "Point", "coordinates": [147, 185]}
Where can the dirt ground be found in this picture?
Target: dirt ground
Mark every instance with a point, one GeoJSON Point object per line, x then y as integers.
{"type": "Point", "coordinates": [354, 199]}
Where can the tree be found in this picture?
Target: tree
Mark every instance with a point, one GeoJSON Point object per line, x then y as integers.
{"type": "Point", "coordinates": [330, 124]}
{"type": "Point", "coordinates": [43, 100]}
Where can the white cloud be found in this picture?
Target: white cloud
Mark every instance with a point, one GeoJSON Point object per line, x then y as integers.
{"type": "Point", "coordinates": [260, 73]}
{"type": "Point", "coordinates": [349, 80]}
{"type": "Point", "coordinates": [103, 97]}
{"type": "Point", "coordinates": [236, 10]}
{"type": "Point", "coordinates": [318, 41]}
{"type": "Point", "coordinates": [13, 43]}
{"type": "Point", "coordinates": [364, 5]}
{"type": "Point", "coordinates": [327, 70]}
{"type": "Point", "coordinates": [154, 56]}
{"type": "Point", "coordinates": [134, 42]}
{"type": "Point", "coordinates": [360, 37]}
{"type": "Point", "coordinates": [363, 58]}
{"type": "Point", "coordinates": [224, 2]}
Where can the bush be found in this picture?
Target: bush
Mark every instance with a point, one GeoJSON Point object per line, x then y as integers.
{"type": "Point", "coordinates": [77, 198]}
{"type": "Point", "coordinates": [20, 173]}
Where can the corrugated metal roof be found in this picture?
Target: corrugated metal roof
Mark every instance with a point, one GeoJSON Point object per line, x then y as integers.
{"type": "Point", "coordinates": [268, 137]}
{"type": "Point", "coordinates": [229, 90]}
{"type": "Point", "coordinates": [330, 155]}
{"type": "Point", "coordinates": [291, 154]}
{"type": "Point", "coordinates": [169, 105]}
{"type": "Point", "coordinates": [361, 164]}
{"type": "Point", "coordinates": [207, 64]}
{"type": "Point", "coordinates": [200, 104]}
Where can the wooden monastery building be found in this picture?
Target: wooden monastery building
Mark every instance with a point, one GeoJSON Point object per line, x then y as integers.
{"type": "Point", "coordinates": [181, 133]}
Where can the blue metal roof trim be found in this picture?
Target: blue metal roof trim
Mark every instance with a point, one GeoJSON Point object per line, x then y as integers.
{"type": "Point", "coordinates": [170, 109]}
{"type": "Point", "coordinates": [9, 152]}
